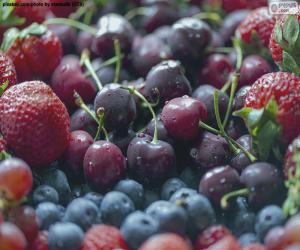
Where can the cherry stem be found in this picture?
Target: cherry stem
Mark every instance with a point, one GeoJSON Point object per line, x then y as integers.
{"type": "Point", "coordinates": [234, 84]}
{"type": "Point", "coordinates": [226, 197]}
{"type": "Point", "coordinates": [106, 63]}
{"type": "Point", "coordinates": [72, 23]}
{"type": "Point", "coordinates": [85, 59]}
{"type": "Point", "coordinates": [101, 128]}
{"type": "Point", "coordinates": [133, 91]}
{"type": "Point", "coordinates": [140, 11]}
{"type": "Point", "coordinates": [209, 16]}
{"type": "Point", "coordinates": [79, 102]}
{"type": "Point", "coordinates": [224, 50]}
{"type": "Point", "coordinates": [119, 60]}
{"type": "Point", "coordinates": [239, 54]}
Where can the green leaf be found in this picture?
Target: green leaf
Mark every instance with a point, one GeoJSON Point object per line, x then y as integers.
{"type": "Point", "coordinates": [290, 64]}
{"type": "Point", "coordinates": [9, 38]}
{"type": "Point", "coordinates": [291, 30]}
{"type": "Point", "coordinates": [272, 108]}
{"type": "Point", "coordinates": [279, 36]}
{"type": "Point", "coordinates": [34, 29]}
{"type": "Point", "coordinates": [3, 87]}
{"type": "Point", "coordinates": [255, 117]}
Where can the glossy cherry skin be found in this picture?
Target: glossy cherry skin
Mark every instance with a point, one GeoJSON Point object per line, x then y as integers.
{"type": "Point", "coordinates": [151, 51]}
{"type": "Point", "coordinates": [163, 33]}
{"type": "Point", "coordinates": [81, 120]}
{"type": "Point", "coordinates": [263, 181]}
{"type": "Point", "coordinates": [75, 152]}
{"type": "Point", "coordinates": [216, 70]}
{"type": "Point", "coordinates": [205, 94]}
{"type": "Point", "coordinates": [122, 138]}
{"type": "Point", "coordinates": [209, 151]}
{"type": "Point", "coordinates": [186, 32]}
{"type": "Point", "coordinates": [103, 165]}
{"type": "Point", "coordinates": [150, 163]}
{"type": "Point", "coordinates": [253, 67]}
{"type": "Point", "coordinates": [110, 27]}
{"type": "Point", "coordinates": [68, 78]}
{"type": "Point", "coordinates": [219, 181]}
{"type": "Point", "coordinates": [119, 106]}
{"type": "Point", "coordinates": [181, 117]}
{"type": "Point", "coordinates": [84, 41]}
{"type": "Point", "coordinates": [236, 128]}
{"type": "Point", "coordinates": [239, 99]}
{"type": "Point", "coordinates": [169, 79]}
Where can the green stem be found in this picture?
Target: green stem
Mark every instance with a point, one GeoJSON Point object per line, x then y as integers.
{"type": "Point", "coordinates": [79, 102]}
{"type": "Point", "coordinates": [239, 54]}
{"type": "Point", "coordinates": [85, 59]}
{"type": "Point", "coordinates": [215, 17]}
{"type": "Point", "coordinates": [101, 128]}
{"type": "Point", "coordinates": [72, 23]}
{"type": "Point", "coordinates": [140, 11]}
{"type": "Point", "coordinates": [119, 60]}
{"type": "Point", "coordinates": [226, 197]}
{"type": "Point", "coordinates": [233, 88]}
{"type": "Point", "coordinates": [224, 50]}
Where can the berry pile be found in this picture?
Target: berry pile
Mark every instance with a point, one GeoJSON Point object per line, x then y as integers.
{"type": "Point", "coordinates": [149, 125]}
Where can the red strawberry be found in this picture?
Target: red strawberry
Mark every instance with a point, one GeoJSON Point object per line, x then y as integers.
{"type": "Point", "coordinates": [284, 43]}
{"type": "Point", "coordinates": [272, 111]}
{"type": "Point", "coordinates": [225, 243]}
{"type": "Point", "coordinates": [35, 51]}
{"type": "Point", "coordinates": [2, 145]}
{"type": "Point", "coordinates": [7, 70]}
{"type": "Point", "coordinates": [210, 236]}
{"type": "Point", "coordinates": [257, 25]}
{"type": "Point", "coordinates": [34, 122]}
{"type": "Point", "coordinates": [103, 237]}
{"type": "Point", "coordinates": [41, 241]}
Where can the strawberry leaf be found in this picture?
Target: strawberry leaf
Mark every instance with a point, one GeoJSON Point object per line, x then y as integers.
{"type": "Point", "coordinates": [290, 64]}
{"type": "Point", "coordinates": [3, 87]}
{"type": "Point", "coordinates": [291, 30]}
{"type": "Point", "coordinates": [279, 36]}
{"type": "Point", "coordinates": [9, 38]}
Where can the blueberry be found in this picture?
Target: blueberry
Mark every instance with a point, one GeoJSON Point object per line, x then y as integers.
{"type": "Point", "coordinates": [133, 189]}
{"type": "Point", "coordinates": [58, 180]}
{"type": "Point", "coordinates": [115, 207]}
{"type": "Point", "coordinates": [44, 193]}
{"type": "Point", "coordinates": [171, 218]}
{"type": "Point", "coordinates": [150, 197]}
{"type": "Point", "coordinates": [94, 197]}
{"type": "Point", "coordinates": [170, 187]}
{"type": "Point", "coordinates": [64, 236]}
{"type": "Point", "coordinates": [243, 222]}
{"type": "Point", "coordinates": [191, 177]}
{"type": "Point", "coordinates": [182, 193]}
{"type": "Point", "coordinates": [247, 239]}
{"type": "Point", "coordinates": [82, 212]}
{"type": "Point", "coordinates": [138, 227]}
{"type": "Point", "coordinates": [48, 213]}
{"type": "Point", "coordinates": [267, 218]}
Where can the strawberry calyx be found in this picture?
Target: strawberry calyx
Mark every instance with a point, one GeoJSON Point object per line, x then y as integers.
{"type": "Point", "coordinates": [3, 87]}
{"type": "Point", "coordinates": [292, 203]}
{"type": "Point", "coordinates": [7, 19]}
{"type": "Point", "coordinates": [13, 34]}
{"type": "Point", "coordinates": [288, 38]}
{"type": "Point", "coordinates": [264, 128]}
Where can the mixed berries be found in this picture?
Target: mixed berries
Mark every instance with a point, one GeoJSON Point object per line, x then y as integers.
{"type": "Point", "coordinates": [149, 125]}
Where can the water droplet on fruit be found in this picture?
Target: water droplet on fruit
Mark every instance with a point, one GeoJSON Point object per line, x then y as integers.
{"type": "Point", "coordinates": [223, 180]}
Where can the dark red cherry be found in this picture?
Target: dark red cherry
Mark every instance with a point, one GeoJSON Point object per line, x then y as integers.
{"type": "Point", "coordinates": [104, 165]}
{"type": "Point", "coordinates": [239, 99]}
{"type": "Point", "coordinates": [236, 128]}
{"type": "Point", "coordinates": [119, 106]}
{"type": "Point", "coordinates": [122, 138]}
{"type": "Point", "coordinates": [83, 41]}
{"type": "Point", "coordinates": [181, 117]}
{"type": "Point", "coordinates": [163, 33]}
{"type": "Point", "coordinates": [216, 70]}
{"type": "Point", "coordinates": [150, 162]}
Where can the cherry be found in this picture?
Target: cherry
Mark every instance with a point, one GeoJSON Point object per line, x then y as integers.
{"type": "Point", "coordinates": [226, 243]}
{"type": "Point", "coordinates": [15, 179]}
{"type": "Point", "coordinates": [74, 154]}
{"type": "Point", "coordinates": [216, 40]}
{"type": "Point", "coordinates": [66, 79]}
{"type": "Point", "coordinates": [118, 104]}
{"type": "Point", "coordinates": [190, 11]}
{"type": "Point", "coordinates": [11, 237]}
{"type": "Point", "coordinates": [236, 128]}
{"type": "Point", "coordinates": [66, 35]}
{"type": "Point", "coordinates": [216, 70]}
{"type": "Point", "coordinates": [292, 230]}
{"type": "Point", "coordinates": [239, 99]}
{"type": "Point", "coordinates": [163, 33]}
{"type": "Point", "coordinates": [122, 138]}
{"type": "Point", "coordinates": [84, 41]}
{"type": "Point", "coordinates": [150, 161]}
{"type": "Point", "coordinates": [205, 94]}
{"type": "Point", "coordinates": [185, 32]}
{"type": "Point", "coordinates": [253, 67]}
{"type": "Point", "coordinates": [219, 181]}
{"type": "Point", "coordinates": [104, 165]}
{"type": "Point", "coordinates": [275, 238]}
{"type": "Point", "coordinates": [209, 151]}
{"type": "Point", "coordinates": [152, 48]}
{"type": "Point", "coordinates": [62, 11]}
{"type": "Point", "coordinates": [112, 27]}
{"type": "Point", "coordinates": [181, 117]}
{"type": "Point", "coordinates": [81, 120]}
{"type": "Point", "coordinates": [40, 242]}
{"type": "Point", "coordinates": [230, 23]}
{"type": "Point", "coordinates": [24, 218]}
{"type": "Point", "coordinates": [168, 78]}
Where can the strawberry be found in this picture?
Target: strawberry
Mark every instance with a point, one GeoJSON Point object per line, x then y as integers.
{"type": "Point", "coordinates": [7, 70]}
{"type": "Point", "coordinates": [102, 237]}
{"type": "Point", "coordinates": [210, 236]}
{"type": "Point", "coordinates": [284, 43]}
{"type": "Point", "coordinates": [30, 48]}
{"type": "Point", "coordinates": [34, 122]}
{"type": "Point", "coordinates": [2, 145]}
{"type": "Point", "coordinates": [257, 27]}
{"type": "Point", "coordinates": [225, 243]}
{"type": "Point", "coordinates": [41, 241]}
{"type": "Point", "coordinates": [272, 112]}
